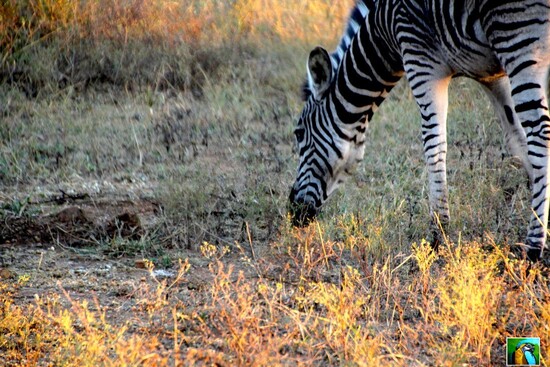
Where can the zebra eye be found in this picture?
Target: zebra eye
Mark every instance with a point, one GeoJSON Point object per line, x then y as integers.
{"type": "Point", "coordinates": [299, 134]}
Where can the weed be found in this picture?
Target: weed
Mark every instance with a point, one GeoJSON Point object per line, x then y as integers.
{"type": "Point", "coordinates": [125, 246]}
{"type": "Point", "coordinates": [16, 207]}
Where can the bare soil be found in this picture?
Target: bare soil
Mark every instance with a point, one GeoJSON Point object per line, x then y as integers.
{"type": "Point", "coordinates": [90, 245]}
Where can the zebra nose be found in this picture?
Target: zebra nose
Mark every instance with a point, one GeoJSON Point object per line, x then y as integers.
{"type": "Point", "coordinates": [301, 211]}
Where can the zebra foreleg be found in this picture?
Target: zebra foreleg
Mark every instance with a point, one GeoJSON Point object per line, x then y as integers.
{"type": "Point", "coordinates": [432, 99]}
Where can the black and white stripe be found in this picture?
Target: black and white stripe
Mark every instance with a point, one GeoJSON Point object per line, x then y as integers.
{"type": "Point", "coordinates": [505, 45]}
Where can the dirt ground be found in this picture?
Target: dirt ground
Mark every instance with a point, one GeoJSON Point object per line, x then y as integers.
{"type": "Point", "coordinates": [88, 241]}
{"type": "Point", "coordinates": [66, 242]}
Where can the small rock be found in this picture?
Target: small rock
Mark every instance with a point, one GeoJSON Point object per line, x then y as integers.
{"type": "Point", "coordinates": [72, 214]}
{"type": "Point", "coordinates": [127, 225]}
{"type": "Point", "coordinates": [141, 264]}
{"type": "Point", "coordinates": [161, 273]}
{"type": "Point", "coordinates": [7, 274]}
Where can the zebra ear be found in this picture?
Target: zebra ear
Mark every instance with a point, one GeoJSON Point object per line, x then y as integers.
{"type": "Point", "coordinates": [319, 71]}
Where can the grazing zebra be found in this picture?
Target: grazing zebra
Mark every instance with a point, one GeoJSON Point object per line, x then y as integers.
{"type": "Point", "coordinates": [504, 45]}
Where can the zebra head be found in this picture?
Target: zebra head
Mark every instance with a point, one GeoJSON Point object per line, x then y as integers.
{"type": "Point", "coordinates": [327, 153]}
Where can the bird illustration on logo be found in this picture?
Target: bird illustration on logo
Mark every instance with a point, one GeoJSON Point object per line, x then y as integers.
{"type": "Point", "coordinates": [525, 355]}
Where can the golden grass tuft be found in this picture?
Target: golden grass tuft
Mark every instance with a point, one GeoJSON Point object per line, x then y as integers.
{"type": "Point", "coordinates": [24, 23]}
{"type": "Point", "coordinates": [461, 314]}
{"type": "Point", "coordinates": [47, 46]}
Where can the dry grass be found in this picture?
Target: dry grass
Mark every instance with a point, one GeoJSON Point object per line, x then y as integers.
{"type": "Point", "coordinates": [51, 45]}
{"type": "Point", "coordinates": [407, 311]}
{"type": "Point", "coordinates": [191, 106]}
{"type": "Point", "coordinates": [167, 21]}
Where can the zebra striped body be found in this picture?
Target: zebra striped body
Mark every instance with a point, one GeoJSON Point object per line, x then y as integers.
{"type": "Point", "coordinates": [504, 45]}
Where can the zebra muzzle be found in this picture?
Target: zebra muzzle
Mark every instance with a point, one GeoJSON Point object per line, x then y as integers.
{"type": "Point", "coordinates": [301, 211]}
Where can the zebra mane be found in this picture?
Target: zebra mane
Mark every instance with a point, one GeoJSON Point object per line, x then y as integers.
{"type": "Point", "coordinates": [355, 21]}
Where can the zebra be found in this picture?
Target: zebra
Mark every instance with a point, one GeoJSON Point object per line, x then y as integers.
{"type": "Point", "coordinates": [504, 45]}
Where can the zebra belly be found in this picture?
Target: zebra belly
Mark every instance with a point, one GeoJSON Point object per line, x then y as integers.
{"type": "Point", "coordinates": [472, 56]}
{"type": "Point", "coordinates": [481, 68]}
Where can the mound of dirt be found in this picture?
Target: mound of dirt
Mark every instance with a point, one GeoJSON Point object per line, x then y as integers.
{"type": "Point", "coordinates": [81, 223]}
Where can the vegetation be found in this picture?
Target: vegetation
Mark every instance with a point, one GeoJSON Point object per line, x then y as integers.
{"type": "Point", "coordinates": [146, 155]}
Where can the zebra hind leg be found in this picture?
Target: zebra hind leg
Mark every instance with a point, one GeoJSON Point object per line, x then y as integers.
{"type": "Point", "coordinates": [531, 105]}
{"type": "Point", "coordinates": [521, 42]}
{"type": "Point", "coordinates": [499, 93]}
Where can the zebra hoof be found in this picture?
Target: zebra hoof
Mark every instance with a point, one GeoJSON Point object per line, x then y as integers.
{"type": "Point", "coordinates": [437, 240]}
{"type": "Point", "coordinates": [528, 251]}
{"type": "Point", "coordinates": [534, 254]}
